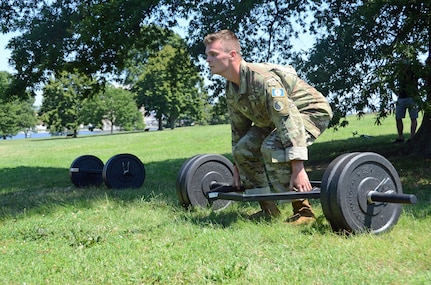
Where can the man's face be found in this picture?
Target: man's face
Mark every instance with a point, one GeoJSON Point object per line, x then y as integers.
{"type": "Point", "coordinates": [217, 58]}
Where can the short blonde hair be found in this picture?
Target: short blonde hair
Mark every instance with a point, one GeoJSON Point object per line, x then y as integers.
{"type": "Point", "coordinates": [229, 39]}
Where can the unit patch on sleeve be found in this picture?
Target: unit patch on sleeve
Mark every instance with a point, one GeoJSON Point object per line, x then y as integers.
{"type": "Point", "coordinates": [277, 92]}
{"type": "Point", "coordinates": [278, 106]}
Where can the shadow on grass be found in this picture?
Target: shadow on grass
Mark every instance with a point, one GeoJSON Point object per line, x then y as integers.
{"type": "Point", "coordinates": [35, 190]}
{"type": "Point", "coordinates": [219, 219]}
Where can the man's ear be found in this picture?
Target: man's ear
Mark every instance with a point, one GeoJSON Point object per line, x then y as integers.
{"type": "Point", "coordinates": [233, 55]}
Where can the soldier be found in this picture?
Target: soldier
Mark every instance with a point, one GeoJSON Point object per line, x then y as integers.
{"type": "Point", "coordinates": [274, 117]}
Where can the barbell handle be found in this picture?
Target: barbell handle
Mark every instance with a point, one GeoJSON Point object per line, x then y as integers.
{"type": "Point", "coordinates": [240, 197]}
{"type": "Point", "coordinates": [225, 191]}
{"type": "Point", "coordinates": [391, 197]}
{"type": "Point", "coordinates": [224, 187]}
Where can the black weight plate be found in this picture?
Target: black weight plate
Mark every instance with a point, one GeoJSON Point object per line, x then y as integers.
{"type": "Point", "coordinates": [82, 178]}
{"type": "Point", "coordinates": [337, 215]}
{"type": "Point", "coordinates": [334, 191]}
{"type": "Point", "coordinates": [200, 173]}
{"type": "Point", "coordinates": [365, 172]}
{"type": "Point", "coordinates": [183, 181]}
{"type": "Point", "coordinates": [180, 182]}
{"type": "Point", "coordinates": [124, 171]}
{"type": "Point", "coordinates": [328, 183]}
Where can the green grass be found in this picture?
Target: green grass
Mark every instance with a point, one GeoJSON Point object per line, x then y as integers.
{"type": "Point", "coordinates": [54, 233]}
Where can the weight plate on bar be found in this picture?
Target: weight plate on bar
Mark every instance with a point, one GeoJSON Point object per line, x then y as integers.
{"type": "Point", "coordinates": [124, 171]}
{"type": "Point", "coordinates": [180, 182]}
{"type": "Point", "coordinates": [199, 173]}
{"type": "Point", "coordinates": [333, 196]}
{"type": "Point", "coordinates": [360, 174]}
{"type": "Point", "coordinates": [86, 170]}
{"type": "Point", "coordinates": [328, 184]}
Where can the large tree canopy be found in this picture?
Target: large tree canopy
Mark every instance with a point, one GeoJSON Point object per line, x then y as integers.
{"type": "Point", "coordinates": [93, 37]}
{"type": "Point", "coordinates": [266, 29]}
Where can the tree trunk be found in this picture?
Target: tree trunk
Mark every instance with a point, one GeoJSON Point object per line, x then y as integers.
{"type": "Point", "coordinates": [172, 123]}
{"type": "Point", "coordinates": [421, 143]}
{"type": "Point", "coordinates": [160, 121]}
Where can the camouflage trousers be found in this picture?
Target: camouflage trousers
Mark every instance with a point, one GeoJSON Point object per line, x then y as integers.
{"type": "Point", "coordinates": [261, 161]}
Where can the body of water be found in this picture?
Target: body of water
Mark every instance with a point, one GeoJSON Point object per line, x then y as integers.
{"type": "Point", "coordinates": [47, 134]}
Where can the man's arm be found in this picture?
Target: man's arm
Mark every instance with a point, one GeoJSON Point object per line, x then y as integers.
{"type": "Point", "coordinates": [292, 133]}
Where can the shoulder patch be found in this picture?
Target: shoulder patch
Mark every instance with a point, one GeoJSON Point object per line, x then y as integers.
{"type": "Point", "coordinates": [278, 106]}
{"type": "Point", "coordinates": [277, 92]}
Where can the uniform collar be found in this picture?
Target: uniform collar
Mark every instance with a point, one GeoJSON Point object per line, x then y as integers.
{"type": "Point", "coordinates": [243, 74]}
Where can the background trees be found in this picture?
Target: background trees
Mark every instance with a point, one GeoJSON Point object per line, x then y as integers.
{"type": "Point", "coordinates": [63, 102]}
{"type": "Point", "coordinates": [114, 106]}
{"type": "Point", "coordinates": [66, 106]}
{"type": "Point", "coordinates": [8, 119]}
{"type": "Point", "coordinates": [15, 115]}
{"type": "Point", "coordinates": [26, 118]}
{"type": "Point", "coordinates": [169, 85]}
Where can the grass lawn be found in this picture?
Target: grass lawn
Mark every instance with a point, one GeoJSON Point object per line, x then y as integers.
{"type": "Point", "coordinates": [54, 233]}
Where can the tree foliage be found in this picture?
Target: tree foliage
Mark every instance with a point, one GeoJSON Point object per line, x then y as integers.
{"type": "Point", "coordinates": [358, 58]}
{"type": "Point", "coordinates": [92, 37]}
{"type": "Point", "coordinates": [8, 126]}
{"type": "Point", "coordinates": [115, 106]}
{"type": "Point", "coordinates": [95, 37]}
{"type": "Point", "coordinates": [170, 86]}
{"type": "Point", "coordinates": [365, 50]}
{"type": "Point", "coordinates": [266, 29]}
{"type": "Point", "coordinates": [26, 115]}
{"type": "Point", "coordinates": [15, 115]}
{"type": "Point", "coordinates": [66, 105]}
{"type": "Point", "coordinates": [63, 101]}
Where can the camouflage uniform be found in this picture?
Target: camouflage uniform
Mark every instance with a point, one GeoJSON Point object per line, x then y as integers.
{"type": "Point", "coordinates": [274, 116]}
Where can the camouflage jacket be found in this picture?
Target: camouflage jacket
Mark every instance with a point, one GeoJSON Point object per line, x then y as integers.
{"type": "Point", "coordinates": [272, 97]}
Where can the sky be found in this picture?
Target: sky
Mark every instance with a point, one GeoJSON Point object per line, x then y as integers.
{"type": "Point", "coordinates": [5, 53]}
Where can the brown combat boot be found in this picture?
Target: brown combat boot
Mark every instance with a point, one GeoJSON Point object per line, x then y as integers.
{"type": "Point", "coordinates": [302, 213]}
{"type": "Point", "coordinates": [269, 211]}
